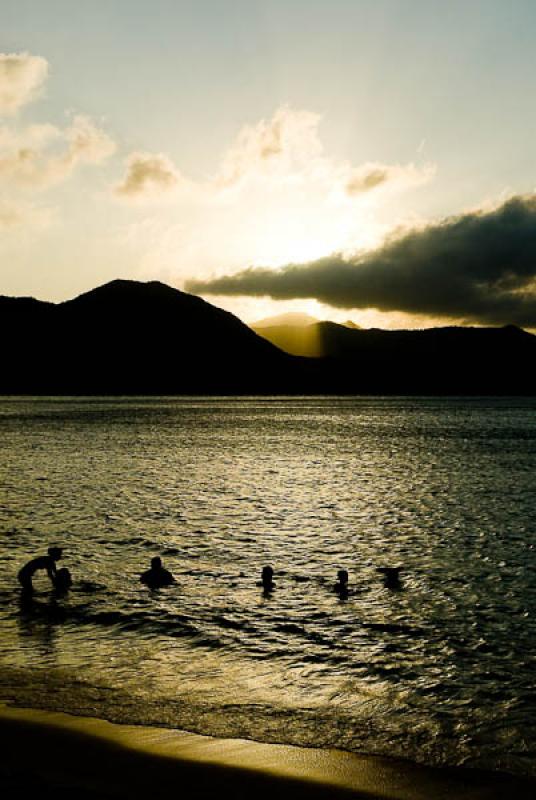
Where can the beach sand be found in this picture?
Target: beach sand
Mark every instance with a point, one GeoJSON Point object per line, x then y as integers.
{"type": "Point", "coordinates": [54, 755]}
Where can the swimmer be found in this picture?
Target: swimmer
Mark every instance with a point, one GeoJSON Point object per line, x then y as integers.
{"type": "Point", "coordinates": [341, 587]}
{"type": "Point", "coordinates": [266, 581]}
{"type": "Point", "coordinates": [157, 576]}
{"type": "Point", "coordinates": [47, 562]}
{"type": "Point", "coordinates": [391, 577]}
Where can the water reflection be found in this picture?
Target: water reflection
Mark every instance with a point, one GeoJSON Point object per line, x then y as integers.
{"type": "Point", "coordinates": [38, 620]}
{"type": "Point", "coordinates": [221, 488]}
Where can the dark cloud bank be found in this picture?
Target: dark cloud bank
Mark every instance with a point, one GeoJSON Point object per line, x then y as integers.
{"type": "Point", "coordinates": [477, 267]}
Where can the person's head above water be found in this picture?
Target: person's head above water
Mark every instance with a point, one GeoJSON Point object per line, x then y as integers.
{"type": "Point", "coordinates": [55, 553]}
{"type": "Point", "coordinates": [342, 575]}
{"type": "Point", "coordinates": [267, 576]}
{"type": "Point", "coordinates": [157, 576]}
{"type": "Point", "coordinates": [391, 576]}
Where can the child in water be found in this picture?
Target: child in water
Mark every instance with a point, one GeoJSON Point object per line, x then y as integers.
{"type": "Point", "coordinates": [391, 577]}
{"type": "Point", "coordinates": [47, 562]}
{"type": "Point", "coordinates": [341, 587]}
{"type": "Point", "coordinates": [63, 581]}
{"type": "Point", "coordinates": [267, 581]}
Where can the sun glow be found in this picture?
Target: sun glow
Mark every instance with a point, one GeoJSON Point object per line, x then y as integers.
{"type": "Point", "coordinates": [276, 198]}
{"type": "Point", "coordinates": [294, 236]}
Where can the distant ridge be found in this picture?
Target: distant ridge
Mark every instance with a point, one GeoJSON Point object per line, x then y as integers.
{"type": "Point", "coordinates": [297, 340]}
{"type": "Point", "coordinates": [294, 318]}
{"type": "Point", "coordinates": [127, 337]}
{"type": "Point", "coordinates": [450, 360]}
{"type": "Point", "coordinates": [296, 333]}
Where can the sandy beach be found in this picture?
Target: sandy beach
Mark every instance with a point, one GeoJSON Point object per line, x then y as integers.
{"type": "Point", "coordinates": [54, 755]}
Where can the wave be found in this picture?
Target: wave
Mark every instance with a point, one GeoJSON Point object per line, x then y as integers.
{"type": "Point", "coordinates": [376, 728]}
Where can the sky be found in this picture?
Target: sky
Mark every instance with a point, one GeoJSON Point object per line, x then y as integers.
{"type": "Point", "coordinates": [369, 160]}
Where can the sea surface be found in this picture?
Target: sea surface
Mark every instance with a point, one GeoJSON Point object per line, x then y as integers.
{"type": "Point", "coordinates": [441, 671]}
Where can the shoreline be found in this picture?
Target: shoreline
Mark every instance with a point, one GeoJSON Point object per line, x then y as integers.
{"type": "Point", "coordinates": [56, 754]}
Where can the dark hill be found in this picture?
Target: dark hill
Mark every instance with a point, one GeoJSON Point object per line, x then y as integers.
{"type": "Point", "coordinates": [129, 337]}
{"type": "Point", "coordinates": [452, 360]}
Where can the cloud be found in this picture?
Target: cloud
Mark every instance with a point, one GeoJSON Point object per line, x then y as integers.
{"type": "Point", "coordinates": [87, 143]}
{"type": "Point", "coordinates": [278, 155]}
{"type": "Point", "coordinates": [35, 157]}
{"type": "Point", "coordinates": [35, 135]}
{"type": "Point", "coordinates": [30, 158]}
{"type": "Point", "coordinates": [269, 152]}
{"type": "Point", "coordinates": [476, 267]}
{"type": "Point", "coordinates": [286, 143]}
{"type": "Point", "coordinates": [148, 176]}
{"type": "Point", "coordinates": [288, 148]}
{"type": "Point", "coordinates": [373, 176]}
{"type": "Point", "coordinates": [21, 77]}
{"type": "Point", "coordinates": [38, 156]}
{"type": "Point", "coordinates": [14, 215]}
{"type": "Point", "coordinates": [275, 196]}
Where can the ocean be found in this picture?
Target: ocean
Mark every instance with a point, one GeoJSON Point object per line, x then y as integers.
{"type": "Point", "coordinates": [440, 671]}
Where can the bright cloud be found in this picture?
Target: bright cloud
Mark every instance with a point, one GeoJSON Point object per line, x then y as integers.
{"type": "Point", "coordinates": [40, 156]}
{"type": "Point", "coordinates": [275, 197]}
{"type": "Point", "coordinates": [37, 156]}
{"type": "Point", "coordinates": [87, 143]}
{"type": "Point", "coordinates": [288, 148]}
{"type": "Point", "coordinates": [375, 176]}
{"type": "Point", "coordinates": [21, 78]}
{"type": "Point", "coordinates": [284, 145]}
{"type": "Point", "coordinates": [148, 176]}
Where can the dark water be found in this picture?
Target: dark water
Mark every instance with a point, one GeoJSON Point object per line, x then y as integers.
{"type": "Point", "coordinates": [442, 672]}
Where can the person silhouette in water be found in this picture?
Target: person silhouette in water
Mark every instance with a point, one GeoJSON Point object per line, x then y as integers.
{"type": "Point", "coordinates": [47, 562]}
{"type": "Point", "coordinates": [157, 576]}
{"type": "Point", "coordinates": [62, 581]}
{"type": "Point", "coordinates": [267, 579]}
{"type": "Point", "coordinates": [391, 577]}
{"type": "Point", "coordinates": [341, 587]}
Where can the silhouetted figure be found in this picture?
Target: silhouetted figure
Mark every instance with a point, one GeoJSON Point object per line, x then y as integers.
{"type": "Point", "coordinates": [47, 562]}
{"type": "Point", "coordinates": [391, 577]}
{"type": "Point", "coordinates": [267, 581]}
{"type": "Point", "coordinates": [341, 587]}
{"type": "Point", "coordinates": [157, 576]}
{"type": "Point", "coordinates": [62, 580]}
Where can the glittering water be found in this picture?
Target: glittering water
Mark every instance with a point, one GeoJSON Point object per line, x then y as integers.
{"type": "Point", "coordinates": [442, 671]}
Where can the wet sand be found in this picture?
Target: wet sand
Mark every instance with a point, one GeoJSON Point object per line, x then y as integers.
{"type": "Point", "coordinates": [54, 755]}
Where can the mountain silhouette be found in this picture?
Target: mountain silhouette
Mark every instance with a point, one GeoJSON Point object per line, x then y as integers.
{"type": "Point", "coordinates": [128, 337]}
{"type": "Point", "coordinates": [450, 360]}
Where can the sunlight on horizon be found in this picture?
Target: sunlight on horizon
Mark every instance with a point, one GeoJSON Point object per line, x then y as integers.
{"type": "Point", "coordinates": [252, 309]}
{"type": "Point", "coordinates": [281, 237]}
